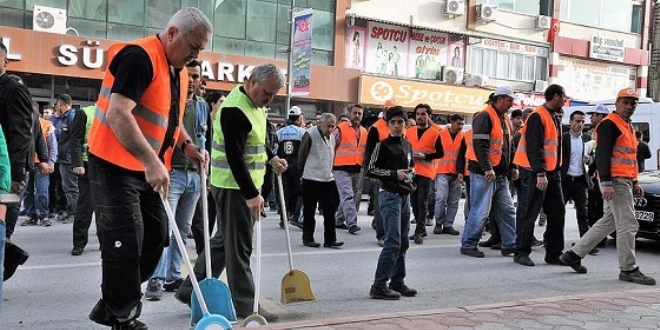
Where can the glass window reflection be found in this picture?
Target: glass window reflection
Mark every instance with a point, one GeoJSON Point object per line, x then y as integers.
{"type": "Point", "coordinates": [229, 18]}
{"type": "Point", "coordinates": [261, 20]}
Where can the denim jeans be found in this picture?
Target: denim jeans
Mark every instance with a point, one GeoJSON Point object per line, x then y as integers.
{"type": "Point", "coordinates": [447, 196]}
{"type": "Point", "coordinates": [70, 187]}
{"type": "Point", "coordinates": [484, 197]}
{"type": "Point", "coordinates": [183, 196]}
{"type": "Point", "coordinates": [36, 194]}
{"type": "Point", "coordinates": [3, 240]}
{"type": "Point", "coordinates": [395, 212]}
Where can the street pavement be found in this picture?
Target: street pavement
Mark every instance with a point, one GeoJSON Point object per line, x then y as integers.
{"type": "Point", "coordinates": [55, 290]}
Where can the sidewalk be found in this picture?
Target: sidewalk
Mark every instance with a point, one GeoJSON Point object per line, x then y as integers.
{"type": "Point", "coordinates": [635, 309]}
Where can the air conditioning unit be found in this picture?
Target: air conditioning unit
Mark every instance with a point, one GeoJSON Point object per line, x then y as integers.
{"type": "Point", "coordinates": [543, 22]}
{"type": "Point", "coordinates": [540, 86]}
{"type": "Point", "coordinates": [452, 75]}
{"type": "Point", "coordinates": [476, 80]}
{"type": "Point", "coordinates": [454, 7]}
{"type": "Point", "coordinates": [486, 13]}
{"type": "Point", "coordinates": [48, 19]}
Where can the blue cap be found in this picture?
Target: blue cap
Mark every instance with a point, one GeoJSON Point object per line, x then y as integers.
{"type": "Point", "coordinates": [599, 109]}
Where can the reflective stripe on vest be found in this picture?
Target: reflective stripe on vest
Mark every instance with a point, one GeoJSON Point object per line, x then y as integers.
{"type": "Point", "coordinates": [255, 146]}
{"type": "Point", "coordinates": [624, 153]}
{"type": "Point", "coordinates": [447, 164]}
{"type": "Point", "coordinates": [426, 145]}
{"type": "Point", "coordinates": [495, 137]}
{"type": "Point", "coordinates": [550, 142]}
{"type": "Point", "coordinates": [350, 151]}
{"type": "Point", "coordinates": [151, 112]}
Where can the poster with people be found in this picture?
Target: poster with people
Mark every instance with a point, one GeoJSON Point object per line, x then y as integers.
{"type": "Point", "coordinates": [456, 50]}
{"type": "Point", "coordinates": [427, 54]}
{"type": "Point", "coordinates": [387, 49]}
{"type": "Point", "coordinates": [355, 47]}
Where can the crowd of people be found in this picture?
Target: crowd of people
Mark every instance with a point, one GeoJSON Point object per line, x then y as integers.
{"type": "Point", "coordinates": [148, 138]}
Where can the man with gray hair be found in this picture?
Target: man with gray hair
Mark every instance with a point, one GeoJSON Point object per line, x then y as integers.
{"type": "Point", "coordinates": [137, 124]}
{"type": "Point", "coordinates": [238, 167]}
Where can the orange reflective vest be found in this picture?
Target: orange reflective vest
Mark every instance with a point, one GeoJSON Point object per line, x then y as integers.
{"type": "Point", "coordinates": [469, 145]}
{"type": "Point", "coordinates": [496, 137]}
{"type": "Point", "coordinates": [624, 154]}
{"type": "Point", "coordinates": [451, 148]}
{"type": "Point", "coordinates": [381, 126]}
{"type": "Point", "coordinates": [151, 112]}
{"type": "Point", "coordinates": [350, 151]}
{"type": "Point", "coordinates": [550, 142]}
{"type": "Point", "coordinates": [426, 144]}
{"type": "Point", "coordinates": [45, 128]}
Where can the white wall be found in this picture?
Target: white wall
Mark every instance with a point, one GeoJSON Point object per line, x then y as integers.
{"type": "Point", "coordinates": [574, 31]}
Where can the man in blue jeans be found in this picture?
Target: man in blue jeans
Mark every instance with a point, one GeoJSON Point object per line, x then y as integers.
{"type": "Point", "coordinates": [392, 163]}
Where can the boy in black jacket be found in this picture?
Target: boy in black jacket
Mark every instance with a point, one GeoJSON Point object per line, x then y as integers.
{"type": "Point", "coordinates": [392, 163]}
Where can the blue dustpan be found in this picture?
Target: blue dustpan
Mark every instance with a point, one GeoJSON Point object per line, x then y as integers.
{"type": "Point", "coordinates": [218, 300]}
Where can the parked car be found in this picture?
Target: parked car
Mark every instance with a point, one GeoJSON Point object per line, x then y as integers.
{"type": "Point", "coordinates": [647, 208]}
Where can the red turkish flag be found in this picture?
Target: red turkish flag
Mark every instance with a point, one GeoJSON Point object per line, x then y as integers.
{"type": "Point", "coordinates": [554, 30]}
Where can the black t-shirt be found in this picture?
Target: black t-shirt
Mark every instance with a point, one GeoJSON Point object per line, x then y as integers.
{"type": "Point", "coordinates": [133, 72]}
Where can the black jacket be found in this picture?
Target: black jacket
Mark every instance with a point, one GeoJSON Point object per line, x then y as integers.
{"type": "Point", "coordinates": [16, 121]}
{"type": "Point", "coordinates": [566, 159]}
{"type": "Point", "coordinates": [71, 139]}
{"type": "Point", "coordinates": [534, 136]}
{"type": "Point", "coordinates": [392, 154]}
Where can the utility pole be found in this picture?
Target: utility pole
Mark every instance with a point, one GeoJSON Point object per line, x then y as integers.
{"type": "Point", "coordinates": [289, 61]}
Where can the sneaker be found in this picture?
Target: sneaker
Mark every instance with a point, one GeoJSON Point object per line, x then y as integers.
{"type": "Point", "coordinates": [354, 229]}
{"type": "Point", "coordinates": [133, 324]}
{"type": "Point", "coordinates": [450, 230]}
{"type": "Point", "coordinates": [418, 239]}
{"type": "Point", "coordinates": [571, 259]}
{"type": "Point", "coordinates": [636, 276]}
{"type": "Point", "coordinates": [45, 222]}
{"type": "Point", "coordinates": [524, 260]}
{"type": "Point", "coordinates": [437, 230]}
{"type": "Point", "coordinates": [472, 252]}
{"type": "Point", "coordinates": [76, 251]}
{"type": "Point", "coordinates": [154, 291]}
{"type": "Point", "coordinates": [30, 222]}
{"type": "Point", "coordinates": [404, 290]}
{"type": "Point", "coordinates": [173, 285]}
{"type": "Point", "coordinates": [383, 293]}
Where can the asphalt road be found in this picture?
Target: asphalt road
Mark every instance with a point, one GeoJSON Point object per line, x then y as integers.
{"type": "Point", "coordinates": [55, 290]}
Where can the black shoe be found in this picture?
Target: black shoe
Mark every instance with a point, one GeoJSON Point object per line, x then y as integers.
{"type": "Point", "coordinates": [594, 251]}
{"type": "Point", "coordinates": [383, 293]}
{"type": "Point", "coordinates": [30, 222]}
{"type": "Point", "coordinates": [341, 226]}
{"type": "Point", "coordinates": [496, 246]}
{"type": "Point", "coordinates": [450, 230]}
{"type": "Point", "coordinates": [437, 229]}
{"type": "Point", "coordinates": [472, 252]}
{"type": "Point", "coordinates": [100, 315]}
{"type": "Point", "coordinates": [77, 251]}
{"type": "Point", "coordinates": [371, 212]}
{"type": "Point", "coordinates": [311, 244]}
{"type": "Point", "coordinates": [636, 276]}
{"type": "Point", "coordinates": [281, 224]}
{"type": "Point", "coordinates": [404, 290]}
{"type": "Point", "coordinates": [574, 261]}
{"type": "Point", "coordinates": [508, 252]}
{"type": "Point", "coordinates": [263, 213]}
{"type": "Point", "coordinates": [296, 224]}
{"type": "Point", "coordinates": [14, 257]}
{"type": "Point", "coordinates": [490, 242]}
{"type": "Point", "coordinates": [172, 286]}
{"type": "Point", "coordinates": [536, 242]}
{"type": "Point", "coordinates": [333, 244]}
{"type": "Point", "coordinates": [429, 222]}
{"type": "Point", "coordinates": [413, 221]}
{"type": "Point", "coordinates": [524, 260]}
{"type": "Point", "coordinates": [354, 229]}
{"type": "Point", "coordinates": [554, 261]}
{"type": "Point", "coordinates": [133, 324]}
{"type": "Point", "coordinates": [417, 238]}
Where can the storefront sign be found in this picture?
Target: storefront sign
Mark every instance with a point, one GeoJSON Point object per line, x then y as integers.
{"type": "Point", "coordinates": [606, 48]}
{"type": "Point", "coordinates": [387, 48]}
{"type": "Point", "coordinates": [427, 54]}
{"type": "Point", "coordinates": [92, 57]}
{"type": "Point", "coordinates": [509, 47]}
{"type": "Point", "coordinates": [586, 80]}
{"type": "Point", "coordinates": [10, 56]}
{"type": "Point", "coordinates": [302, 53]}
{"type": "Point", "coordinates": [375, 90]}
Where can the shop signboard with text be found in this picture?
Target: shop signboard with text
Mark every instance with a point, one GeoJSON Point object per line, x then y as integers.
{"type": "Point", "coordinates": [377, 90]}
{"type": "Point", "coordinates": [590, 81]}
{"type": "Point", "coordinates": [607, 48]}
{"type": "Point", "coordinates": [387, 49]}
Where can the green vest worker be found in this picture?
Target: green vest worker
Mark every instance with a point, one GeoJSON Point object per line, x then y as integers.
{"type": "Point", "coordinates": [238, 165]}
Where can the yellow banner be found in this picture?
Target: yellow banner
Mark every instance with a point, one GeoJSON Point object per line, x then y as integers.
{"type": "Point", "coordinates": [376, 90]}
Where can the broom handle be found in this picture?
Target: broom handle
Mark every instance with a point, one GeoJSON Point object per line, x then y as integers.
{"type": "Point", "coordinates": [184, 253]}
{"type": "Point", "coordinates": [257, 268]}
{"type": "Point", "coordinates": [285, 221]}
{"type": "Point", "coordinates": [205, 208]}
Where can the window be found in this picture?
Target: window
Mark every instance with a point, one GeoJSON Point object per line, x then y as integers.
{"type": "Point", "coordinates": [259, 49]}
{"type": "Point", "coordinates": [229, 19]}
{"type": "Point", "coordinates": [13, 17]}
{"type": "Point", "coordinates": [323, 30]}
{"type": "Point", "coordinates": [124, 32]}
{"type": "Point", "coordinates": [503, 65]}
{"type": "Point", "coordinates": [88, 28]}
{"type": "Point", "coordinates": [125, 11]}
{"type": "Point", "coordinates": [85, 8]}
{"type": "Point", "coordinates": [531, 7]}
{"type": "Point", "coordinates": [510, 66]}
{"type": "Point", "coordinates": [48, 3]}
{"type": "Point", "coordinates": [18, 4]}
{"type": "Point", "coordinates": [261, 21]}
{"type": "Point", "coordinates": [636, 19]}
{"type": "Point", "coordinates": [158, 12]}
{"type": "Point", "coordinates": [608, 14]}
{"type": "Point", "coordinates": [228, 46]}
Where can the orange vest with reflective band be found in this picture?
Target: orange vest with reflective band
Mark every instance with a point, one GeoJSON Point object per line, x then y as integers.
{"type": "Point", "coordinates": [381, 127]}
{"type": "Point", "coordinates": [550, 142]}
{"type": "Point", "coordinates": [151, 112]}
{"type": "Point", "coordinates": [426, 144]}
{"type": "Point", "coordinates": [496, 137]}
{"type": "Point", "coordinates": [45, 125]}
{"type": "Point", "coordinates": [469, 148]}
{"type": "Point", "coordinates": [447, 164]}
{"type": "Point", "coordinates": [624, 154]}
{"type": "Point", "coordinates": [350, 151]}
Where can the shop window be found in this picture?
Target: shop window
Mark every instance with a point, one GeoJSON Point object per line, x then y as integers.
{"type": "Point", "coordinates": [12, 17]}
{"type": "Point", "coordinates": [124, 32]}
{"type": "Point", "coordinates": [87, 28]}
{"type": "Point", "coordinates": [228, 46]}
{"type": "Point", "coordinates": [261, 21]}
{"type": "Point", "coordinates": [159, 12]}
{"type": "Point", "coordinates": [607, 14]}
{"type": "Point", "coordinates": [636, 19]}
{"type": "Point", "coordinates": [521, 6]}
{"type": "Point", "coordinates": [229, 20]}
{"type": "Point", "coordinates": [323, 30]}
{"type": "Point", "coordinates": [259, 49]}
{"type": "Point", "coordinates": [49, 3]}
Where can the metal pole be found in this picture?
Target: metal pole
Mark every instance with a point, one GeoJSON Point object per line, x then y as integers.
{"type": "Point", "coordinates": [289, 61]}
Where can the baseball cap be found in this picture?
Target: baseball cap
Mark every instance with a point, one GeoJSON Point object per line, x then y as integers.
{"type": "Point", "coordinates": [505, 90]}
{"type": "Point", "coordinates": [295, 111]}
{"type": "Point", "coordinates": [599, 109]}
{"type": "Point", "coordinates": [389, 103]}
{"type": "Point", "coordinates": [628, 92]}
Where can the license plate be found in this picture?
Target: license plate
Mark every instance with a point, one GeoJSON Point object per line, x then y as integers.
{"type": "Point", "coordinates": [644, 216]}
